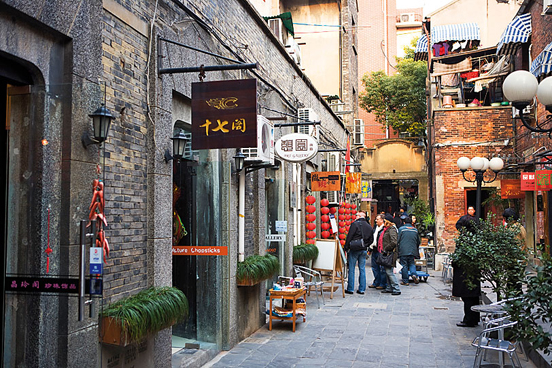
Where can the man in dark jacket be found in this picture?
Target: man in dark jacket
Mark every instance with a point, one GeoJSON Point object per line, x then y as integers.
{"type": "Point", "coordinates": [360, 229]}
{"type": "Point", "coordinates": [408, 244]}
{"type": "Point", "coordinates": [470, 296]}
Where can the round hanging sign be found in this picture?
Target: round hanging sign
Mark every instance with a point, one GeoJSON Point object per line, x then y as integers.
{"type": "Point", "coordinates": [296, 147]}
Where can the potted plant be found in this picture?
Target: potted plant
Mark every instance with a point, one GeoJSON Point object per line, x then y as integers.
{"type": "Point", "coordinates": [425, 218]}
{"type": "Point", "coordinates": [256, 268]}
{"type": "Point", "coordinates": [304, 252]}
{"type": "Point", "coordinates": [133, 318]}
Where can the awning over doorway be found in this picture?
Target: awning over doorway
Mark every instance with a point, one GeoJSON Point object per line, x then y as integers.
{"type": "Point", "coordinates": [542, 65]}
{"type": "Point", "coordinates": [449, 32]}
{"type": "Point", "coordinates": [516, 33]}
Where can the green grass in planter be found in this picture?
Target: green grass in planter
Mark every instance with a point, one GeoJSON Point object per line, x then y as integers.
{"type": "Point", "coordinates": [257, 268]}
{"type": "Point", "coordinates": [149, 311]}
{"type": "Point", "coordinates": [304, 252]}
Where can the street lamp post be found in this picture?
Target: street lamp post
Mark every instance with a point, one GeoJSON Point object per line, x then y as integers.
{"type": "Point", "coordinates": [479, 165]}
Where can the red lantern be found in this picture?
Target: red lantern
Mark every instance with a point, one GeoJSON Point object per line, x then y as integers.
{"type": "Point", "coordinates": [325, 226]}
{"type": "Point", "coordinates": [310, 199]}
{"type": "Point", "coordinates": [341, 204]}
{"type": "Point", "coordinates": [333, 209]}
{"type": "Point", "coordinates": [341, 230]}
{"type": "Point", "coordinates": [310, 208]}
{"type": "Point", "coordinates": [341, 210]}
{"type": "Point", "coordinates": [325, 210]}
{"type": "Point", "coordinates": [324, 202]}
{"type": "Point", "coordinates": [342, 236]}
{"type": "Point", "coordinates": [311, 217]}
{"type": "Point", "coordinates": [311, 226]}
{"type": "Point", "coordinates": [347, 211]}
{"type": "Point", "coordinates": [325, 234]}
{"type": "Point", "coordinates": [341, 217]}
{"type": "Point", "coordinates": [353, 206]}
{"type": "Point", "coordinates": [347, 205]}
{"type": "Point", "coordinates": [311, 241]}
{"type": "Point", "coordinates": [324, 218]}
{"type": "Point", "coordinates": [311, 234]}
{"type": "Point", "coordinates": [354, 212]}
{"type": "Point", "coordinates": [347, 228]}
{"type": "Point", "coordinates": [341, 223]}
{"type": "Point", "coordinates": [342, 242]}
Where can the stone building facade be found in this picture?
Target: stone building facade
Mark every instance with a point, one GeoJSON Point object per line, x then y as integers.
{"type": "Point", "coordinates": [58, 64]}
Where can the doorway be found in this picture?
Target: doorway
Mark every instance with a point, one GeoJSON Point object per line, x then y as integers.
{"type": "Point", "coordinates": [471, 195]}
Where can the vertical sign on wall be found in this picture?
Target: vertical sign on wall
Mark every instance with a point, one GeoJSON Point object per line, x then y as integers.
{"type": "Point", "coordinates": [543, 179]}
{"type": "Point", "coordinates": [528, 181]}
{"type": "Point", "coordinates": [366, 190]}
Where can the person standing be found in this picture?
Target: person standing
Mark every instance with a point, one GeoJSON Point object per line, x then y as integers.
{"type": "Point", "coordinates": [387, 242]}
{"type": "Point", "coordinates": [408, 244]}
{"type": "Point", "coordinates": [470, 296]}
{"type": "Point", "coordinates": [511, 220]}
{"type": "Point", "coordinates": [380, 280]}
{"type": "Point", "coordinates": [360, 230]}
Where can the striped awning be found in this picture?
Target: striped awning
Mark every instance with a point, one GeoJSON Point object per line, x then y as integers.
{"type": "Point", "coordinates": [542, 65]}
{"type": "Point", "coordinates": [421, 45]}
{"type": "Point", "coordinates": [516, 33]}
{"type": "Point", "coordinates": [455, 32]}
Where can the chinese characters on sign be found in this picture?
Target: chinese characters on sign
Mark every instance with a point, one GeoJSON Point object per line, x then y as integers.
{"type": "Point", "coordinates": [510, 189]}
{"type": "Point", "coordinates": [528, 181]}
{"type": "Point", "coordinates": [224, 114]}
{"type": "Point", "coordinates": [296, 147]}
{"type": "Point", "coordinates": [543, 180]}
{"type": "Point", "coordinates": [22, 284]}
{"type": "Point", "coordinates": [325, 181]}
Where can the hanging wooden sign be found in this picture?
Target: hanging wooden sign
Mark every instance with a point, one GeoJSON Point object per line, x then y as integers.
{"type": "Point", "coordinates": [296, 147]}
{"type": "Point", "coordinates": [511, 189]}
{"type": "Point", "coordinates": [325, 181]}
{"type": "Point", "coordinates": [224, 114]}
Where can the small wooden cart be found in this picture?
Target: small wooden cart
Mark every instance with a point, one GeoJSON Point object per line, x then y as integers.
{"type": "Point", "coordinates": [289, 294]}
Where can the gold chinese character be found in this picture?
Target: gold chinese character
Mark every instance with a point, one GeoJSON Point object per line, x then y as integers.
{"type": "Point", "coordinates": [239, 124]}
{"type": "Point", "coordinates": [206, 125]}
{"type": "Point", "coordinates": [221, 127]}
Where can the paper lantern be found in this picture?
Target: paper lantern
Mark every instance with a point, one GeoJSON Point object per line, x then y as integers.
{"type": "Point", "coordinates": [354, 212]}
{"type": "Point", "coordinates": [325, 210]}
{"type": "Point", "coordinates": [311, 217]}
{"type": "Point", "coordinates": [311, 234]}
{"type": "Point", "coordinates": [311, 241]}
{"type": "Point", "coordinates": [353, 206]}
{"type": "Point", "coordinates": [325, 226]}
{"type": "Point", "coordinates": [341, 223]}
{"type": "Point", "coordinates": [347, 205]}
{"type": "Point", "coordinates": [341, 204]}
{"type": "Point", "coordinates": [333, 209]}
{"type": "Point", "coordinates": [310, 208]}
{"type": "Point", "coordinates": [341, 230]}
{"type": "Point", "coordinates": [347, 228]}
{"type": "Point", "coordinates": [325, 234]}
{"type": "Point", "coordinates": [324, 202]}
{"type": "Point", "coordinates": [341, 217]}
{"type": "Point", "coordinates": [341, 210]}
{"type": "Point", "coordinates": [342, 236]}
{"type": "Point", "coordinates": [310, 199]}
{"type": "Point", "coordinates": [324, 218]}
{"type": "Point", "coordinates": [311, 226]}
{"type": "Point", "coordinates": [347, 211]}
{"type": "Point", "coordinates": [342, 242]}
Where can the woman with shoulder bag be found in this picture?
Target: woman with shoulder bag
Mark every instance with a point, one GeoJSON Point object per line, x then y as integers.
{"type": "Point", "coordinates": [387, 244]}
{"type": "Point", "coordinates": [356, 243]}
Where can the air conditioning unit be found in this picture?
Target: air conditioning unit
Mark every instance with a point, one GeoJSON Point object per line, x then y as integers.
{"type": "Point", "coordinates": [293, 49]}
{"type": "Point", "coordinates": [265, 143]}
{"type": "Point", "coordinates": [547, 6]}
{"type": "Point", "coordinates": [358, 132]}
{"type": "Point", "coordinates": [408, 18]}
{"type": "Point", "coordinates": [276, 27]}
{"type": "Point", "coordinates": [308, 115]}
{"type": "Point", "coordinates": [333, 197]}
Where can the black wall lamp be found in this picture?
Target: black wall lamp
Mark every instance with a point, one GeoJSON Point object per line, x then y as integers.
{"type": "Point", "coordinates": [179, 147]}
{"type": "Point", "coordinates": [101, 120]}
{"type": "Point", "coordinates": [240, 161]}
{"type": "Point", "coordinates": [520, 87]}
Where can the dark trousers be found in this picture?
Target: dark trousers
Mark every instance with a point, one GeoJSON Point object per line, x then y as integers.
{"type": "Point", "coordinates": [470, 317]}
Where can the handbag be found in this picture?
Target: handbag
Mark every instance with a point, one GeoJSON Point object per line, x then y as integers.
{"type": "Point", "coordinates": [385, 260]}
{"type": "Point", "coordinates": [358, 244]}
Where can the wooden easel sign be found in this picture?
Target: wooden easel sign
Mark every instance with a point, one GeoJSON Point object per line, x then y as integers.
{"type": "Point", "coordinates": [329, 260]}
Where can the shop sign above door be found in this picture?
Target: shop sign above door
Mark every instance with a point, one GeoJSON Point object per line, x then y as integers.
{"type": "Point", "coordinates": [296, 147]}
{"type": "Point", "coordinates": [224, 114]}
{"type": "Point", "coordinates": [325, 181]}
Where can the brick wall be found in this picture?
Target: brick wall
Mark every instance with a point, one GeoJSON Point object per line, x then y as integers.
{"type": "Point", "coordinates": [475, 132]}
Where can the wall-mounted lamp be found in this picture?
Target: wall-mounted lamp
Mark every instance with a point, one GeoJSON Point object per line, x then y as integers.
{"type": "Point", "coordinates": [101, 120]}
{"type": "Point", "coordinates": [179, 147]}
{"type": "Point", "coordinates": [240, 161]}
{"type": "Point", "coordinates": [520, 88]}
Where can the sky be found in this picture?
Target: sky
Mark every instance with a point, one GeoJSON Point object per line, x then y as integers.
{"type": "Point", "coordinates": [428, 5]}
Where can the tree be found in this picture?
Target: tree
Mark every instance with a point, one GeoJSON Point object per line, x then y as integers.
{"type": "Point", "coordinates": [398, 101]}
{"type": "Point", "coordinates": [492, 253]}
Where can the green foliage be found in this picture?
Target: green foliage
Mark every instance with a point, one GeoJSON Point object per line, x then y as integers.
{"type": "Point", "coordinates": [533, 310]}
{"type": "Point", "coordinates": [491, 253]}
{"type": "Point", "coordinates": [424, 217]}
{"type": "Point", "coordinates": [399, 100]}
{"type": "Point", "coordinates": [257, 268]}
{"type": "Point", "coordinates": [304, 253]}
{"type": "Point", "coordinates": [409, 50]}
{"type": "Point", "coordinates": [149, 311]}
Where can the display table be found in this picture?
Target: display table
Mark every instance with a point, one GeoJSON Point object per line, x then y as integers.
{"type": "Point", "coordinates": [289, 294]}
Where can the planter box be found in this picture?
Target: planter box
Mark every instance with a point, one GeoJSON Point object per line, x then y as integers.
{"type": "Point", "coordinates": [248, 282]}
{"type": "Point", "coordinates": [111, 332]}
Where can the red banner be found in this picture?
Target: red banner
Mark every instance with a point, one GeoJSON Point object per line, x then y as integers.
{"type": "Point", "coordinates": [527, 181]}
{"type": "Point", "coordinates": [511, 189]}
{"type": "Point", "coordinates": [543, 179]}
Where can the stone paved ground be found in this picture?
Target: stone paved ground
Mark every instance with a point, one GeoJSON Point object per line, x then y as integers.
{"type": "Point", "coordinates": [416, 330]}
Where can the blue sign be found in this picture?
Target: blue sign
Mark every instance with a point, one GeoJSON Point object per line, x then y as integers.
{"type": "Point", "coordinates": [96, 262]}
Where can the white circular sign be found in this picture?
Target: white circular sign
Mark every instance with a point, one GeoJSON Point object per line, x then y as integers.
{"type": "Point", "coordinates": [296, 147]}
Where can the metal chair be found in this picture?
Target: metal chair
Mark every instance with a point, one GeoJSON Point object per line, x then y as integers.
{"type": "Point", "coordinates": [312, 279]}
{"type": "Point", "coordinates": [446, 272]}
{"type": "Point", "coordinates": [484, 342]}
